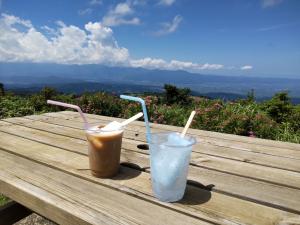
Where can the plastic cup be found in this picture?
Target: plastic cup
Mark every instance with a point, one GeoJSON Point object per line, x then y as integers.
{"type": "Point", "coordinates": [104, 150]}
{"type": "Point", "coordinates": [169, 158]}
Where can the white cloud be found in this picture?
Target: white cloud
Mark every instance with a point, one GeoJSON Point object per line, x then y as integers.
{"type": "Point", "coordinates": [170, 27]}
{"type": "Point", "coordinates": [120, 15]}
{"type": "Point", "coordinates": [246, 67]}
{"type": "Point", "coordinates": [278, 26]}
{"type": "Point", "coordinates": [149, 63]}
{"type": "Point", "coordinates": [60, 23]}
{"type": "Point", "coordinates": [95, 2]}
{"type": "Point", "coordinates": [86, 11]}
{"type": "Point", "coordinates": [153, 63]}
{"type": "Point", "coordinates": [270, 3]}
{"type": "Point", "coordinates": [166, 2]}
{"type": "Point", "coordinates": [139, 2]}
{"type": "Point", "coordinates": [20, 41]}
{"type": "Point", "coordinates": [10, 20]}
{"type": "Point", "coordinates": [123, 9]}
{"type": "Point", "coordinates": [49, 30]}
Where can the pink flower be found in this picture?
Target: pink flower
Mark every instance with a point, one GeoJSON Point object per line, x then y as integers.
{"type": "Point", "coordinates": [251, 134]}
{"type": "Point", "coordinates": [148, 100]}
{"type": "Point", "coordinates": [199, 111]}
{"type": "Point", "coordinates": [207, 110]}
{"type": "Point", "coordinates": [217, 105]}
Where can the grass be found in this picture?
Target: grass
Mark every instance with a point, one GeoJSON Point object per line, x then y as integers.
{"type": "Point", "coordinates": [3, 200]}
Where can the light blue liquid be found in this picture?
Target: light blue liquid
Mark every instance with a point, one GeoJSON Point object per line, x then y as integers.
{"type": "Point", "coordinates": [169, 166]}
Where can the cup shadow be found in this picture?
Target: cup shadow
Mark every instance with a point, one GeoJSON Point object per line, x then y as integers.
{"type": "Point", "coordinates": [196, 193]}
{"type": "Point", "coordinates": [128, 171]}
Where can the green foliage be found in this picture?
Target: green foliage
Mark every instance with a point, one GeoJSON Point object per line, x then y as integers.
{"type": "Point", "coordinates": [12, 106]}
{"type": "Point", "coordinates": [287, 133]}
{"type": "Point", "coordinates": [279, 107]}
{"type": "Point", "coordinates": [250, 96]}
{"type": "Point", "coordinates": [101, 103]}
{"type": "Point", "coordinates": [176, 95]}
{"type": "Point", "coordinates": [2, 93]}
{"type": "Point", "coordinates": [3, 200]}
{"type": "Point", "coordinates": [48, 93]}
{"type": "Point", "coordinates": [275, 119]}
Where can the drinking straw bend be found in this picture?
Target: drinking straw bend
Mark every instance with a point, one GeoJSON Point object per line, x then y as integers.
{"type": "Point", "coordinates": [86, 124]}
{"type": "Point", "coordinates": [136, 99]}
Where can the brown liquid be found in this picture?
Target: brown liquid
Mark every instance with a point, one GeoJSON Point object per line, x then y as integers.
{"type": "Point", "coordinates": [104, 153]}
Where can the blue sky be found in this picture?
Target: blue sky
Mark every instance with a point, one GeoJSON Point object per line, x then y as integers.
{"type": "Point", "coordinates": [232, 37]}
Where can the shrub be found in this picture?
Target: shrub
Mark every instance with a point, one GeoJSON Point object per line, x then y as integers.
{"type": "Point", "coordinates": [2, 93]}
{"type": "Point", "coordinates": [12, 106]}
{"type": "Point", "coordinates": [287, 133]}
{"type": "Point", "coordinates": [48, 93]}
{"type": "Point", "coordinates": [274, 119]}
{"type": "Point", "coordinates": [100, 103]}
{"type": "Point", "coordinates": [279, 107]}
{"type": "Point", "coordinates": [174, 95]}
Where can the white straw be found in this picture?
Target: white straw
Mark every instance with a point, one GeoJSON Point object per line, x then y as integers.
{"type": "Point", "coordinates": [188, 123]}
{"type": "Point", "coordinates": [86, 124]}
{"type": "Point", "coordinates": [131, 119]}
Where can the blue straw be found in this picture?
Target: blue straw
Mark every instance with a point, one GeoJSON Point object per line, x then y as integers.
{"type": "Point", "coordinates": [136, 99]}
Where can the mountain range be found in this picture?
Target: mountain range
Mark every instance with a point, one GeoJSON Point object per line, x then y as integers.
{"type": "Point", "coordinates": [28, 77]}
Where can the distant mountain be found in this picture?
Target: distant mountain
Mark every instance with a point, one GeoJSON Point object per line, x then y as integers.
{"type": "Point", "coordinates": [79, 88]}
{"type": "Point", "coordinates": [82, 77]}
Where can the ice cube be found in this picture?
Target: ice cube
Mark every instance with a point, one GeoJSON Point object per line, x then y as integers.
{"type": "Point", "coordinates": [112, 126]}
{"type": "Point", "coordinates": [93, 129]}
{"type": "Point", "coordinates": [167, 165]}
{"type": "Point", "coordinates": [167, 172]}
{"type": "Point", "coordinates": [176, 139]}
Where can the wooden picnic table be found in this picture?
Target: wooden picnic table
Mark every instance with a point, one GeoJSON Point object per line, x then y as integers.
{"type": "Point", "coordinates": [232, 179]}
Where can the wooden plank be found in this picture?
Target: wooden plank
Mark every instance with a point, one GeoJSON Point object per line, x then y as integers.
{"type": "Point", "coordinates": [286, 153]}
{"type": "Point", "coordinates": [140, 185]}
{"type": "Point", "coordinates": [124, 174]}
{"type": "Point", "coordinates": [12, 212]}
{"type": "Point", "coordinates": [39, 125]}
{"type": "Point", "coordinates": [68, 199]}
{"type": "Point", "coordinates": [271, 175]}
{"type": "Point", "coordinates": [204, 133]}
{"type": "Point", "coordinates": [242, 146]}
{"type": "Point", "coordinates": [205, 176]}
{"type": "Point", "coordinates": [207, 149]}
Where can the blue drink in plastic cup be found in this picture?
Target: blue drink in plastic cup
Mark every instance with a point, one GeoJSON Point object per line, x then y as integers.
{"type": "Point", "coordinates": [169, 158]}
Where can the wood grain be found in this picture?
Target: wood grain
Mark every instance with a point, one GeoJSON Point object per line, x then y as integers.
{"type": "Point", "coordinates": [77, 164]}
{"type": "Point", "coordinates": [242, 146]}
{"type": "Point", "coordinates": [67, 199]}
{"type": "Point", "coordinates": [74, 140]}
{"type": "Point", "coordinates": [203, 148]}
{"type": "Point", "coordinates": [203, 133]}
{"type": "Point", "coordinates": [56, 141]}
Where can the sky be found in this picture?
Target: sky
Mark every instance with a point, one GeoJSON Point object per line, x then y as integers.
{"type": "Point", "coordinates": [229, 37]}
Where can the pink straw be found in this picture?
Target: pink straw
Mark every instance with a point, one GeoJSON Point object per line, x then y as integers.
{"type": "Point", "coordinates": [86, 124]}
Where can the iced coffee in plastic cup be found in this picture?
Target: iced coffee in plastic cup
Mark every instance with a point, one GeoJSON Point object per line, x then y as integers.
{"type": "Point", "coordinates": [104, 150]}
{"type": "Point", "coordinates": [104, 142]}
{"type": "Point", "coordinates": [169, 157]}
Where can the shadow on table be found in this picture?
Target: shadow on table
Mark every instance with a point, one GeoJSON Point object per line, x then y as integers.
{"type": "Point", "coordinates": [196, 193]}
{"type": "Point", "coordinates": [128, 171]}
